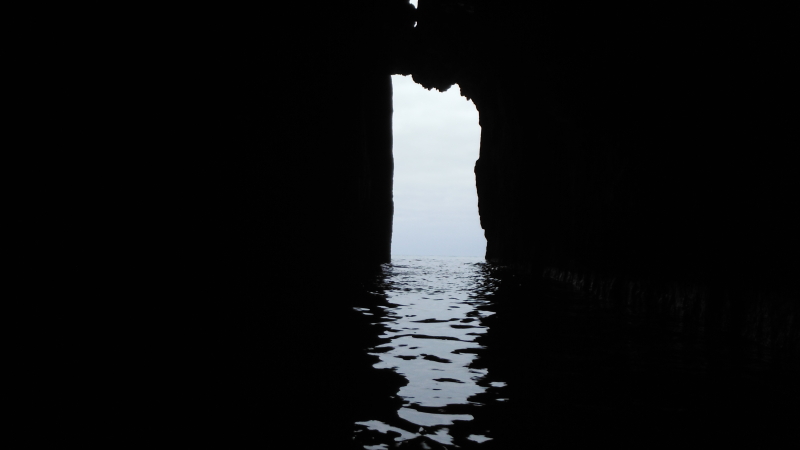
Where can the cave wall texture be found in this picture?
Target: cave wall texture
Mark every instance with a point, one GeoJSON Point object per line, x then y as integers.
{"type": "Point", "coordinates": [636, 145]}
{"type": "Point", "coordinates": [625, 139]}
{"type": "Point", "coordinates": [613, 139]}
{"type": "Point", "coordinates": [643, 141]}
{"type": "Point", "coordinates": [219, 166]}
{"type": "Point", "coordinates": [634, 142]}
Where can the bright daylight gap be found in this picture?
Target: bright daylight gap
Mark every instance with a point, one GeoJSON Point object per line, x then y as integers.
{"type": "Point", "coordinates": [436, 143]}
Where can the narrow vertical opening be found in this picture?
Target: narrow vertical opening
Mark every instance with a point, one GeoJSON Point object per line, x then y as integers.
{"type": "Point", "coordinates": [436, 143]}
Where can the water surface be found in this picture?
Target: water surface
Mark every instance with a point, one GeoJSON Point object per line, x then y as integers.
{"type": "Point", "coordinates": [431, 321]}
{"type": "Point", "coordinates": [469, 355]}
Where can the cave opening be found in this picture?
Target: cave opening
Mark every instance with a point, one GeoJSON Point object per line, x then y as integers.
{"type": "Point", "coordinates": [436, 143]}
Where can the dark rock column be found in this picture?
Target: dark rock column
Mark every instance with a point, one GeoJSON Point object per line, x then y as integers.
{"type": "Point", "coordinates": [375, 193]}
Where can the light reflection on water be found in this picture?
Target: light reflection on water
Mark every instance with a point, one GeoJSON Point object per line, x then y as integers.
{"type": "Point", "coordinates": [577, 369]}
{"type": "Point", "coordinates": [432, 320]}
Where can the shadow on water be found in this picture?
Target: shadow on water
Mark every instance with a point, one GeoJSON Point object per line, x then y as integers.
{"type": "Point", "coordinates": [470, 355]}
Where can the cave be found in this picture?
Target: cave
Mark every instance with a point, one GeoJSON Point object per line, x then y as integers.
{"type": "Point", "coordinates": [638, 153]}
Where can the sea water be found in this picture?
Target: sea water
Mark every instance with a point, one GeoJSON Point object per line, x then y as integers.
{"type": "Point", "coordinates": [432, 321]}
{"type": "Point", "coordinates": [487, 363]}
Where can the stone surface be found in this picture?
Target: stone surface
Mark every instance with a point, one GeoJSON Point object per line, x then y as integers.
{"type": "Point", "coordinates": [232, 148]}
{"type": "Point", "coordinates": [634, 143]}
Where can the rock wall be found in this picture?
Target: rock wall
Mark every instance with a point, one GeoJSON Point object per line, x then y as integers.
{"type": "Point", "coordinates": [231, 151]}
{"type": "Point", "coordinates": [626, 140]}
{"type": "Point", "coordinates": [219, 177]}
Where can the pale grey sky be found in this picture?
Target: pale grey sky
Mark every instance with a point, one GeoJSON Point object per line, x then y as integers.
{"type": "Point", "coordinates": [436, 143]}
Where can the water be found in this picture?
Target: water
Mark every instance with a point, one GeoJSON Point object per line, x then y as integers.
{"type": "Point", "coordinates": [432, 320]}
{"type": "Point", "coordinates": [472, 356]}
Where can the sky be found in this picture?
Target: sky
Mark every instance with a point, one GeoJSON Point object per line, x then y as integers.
{"type": "Point", "coordinates": [436, 143]}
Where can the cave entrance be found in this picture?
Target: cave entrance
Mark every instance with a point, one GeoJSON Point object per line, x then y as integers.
{"type": "Point", "coordinates": [436, 143]}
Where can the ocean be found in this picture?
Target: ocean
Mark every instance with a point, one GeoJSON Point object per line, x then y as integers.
{"type": "Point", "coordinates": [472, 355]}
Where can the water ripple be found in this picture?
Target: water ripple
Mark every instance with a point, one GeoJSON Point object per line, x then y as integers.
{"type": "Point", "coordinates": [431, 324]}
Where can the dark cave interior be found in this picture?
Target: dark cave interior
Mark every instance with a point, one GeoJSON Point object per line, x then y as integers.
{"type": "Point", "coordinates": [658, 148]}
{"type": "Point", "coordinates": [658, 152]}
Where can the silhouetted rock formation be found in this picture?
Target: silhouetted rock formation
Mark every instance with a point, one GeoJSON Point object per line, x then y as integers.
{"type": "Point", "coordinates": [613, 139]}
{"type": "Point", "coordinates": [635, 141]}
{"type": "Point", "coordinates": [625, 139]}
{"type": "Point", "coordinates": [629, 142]}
